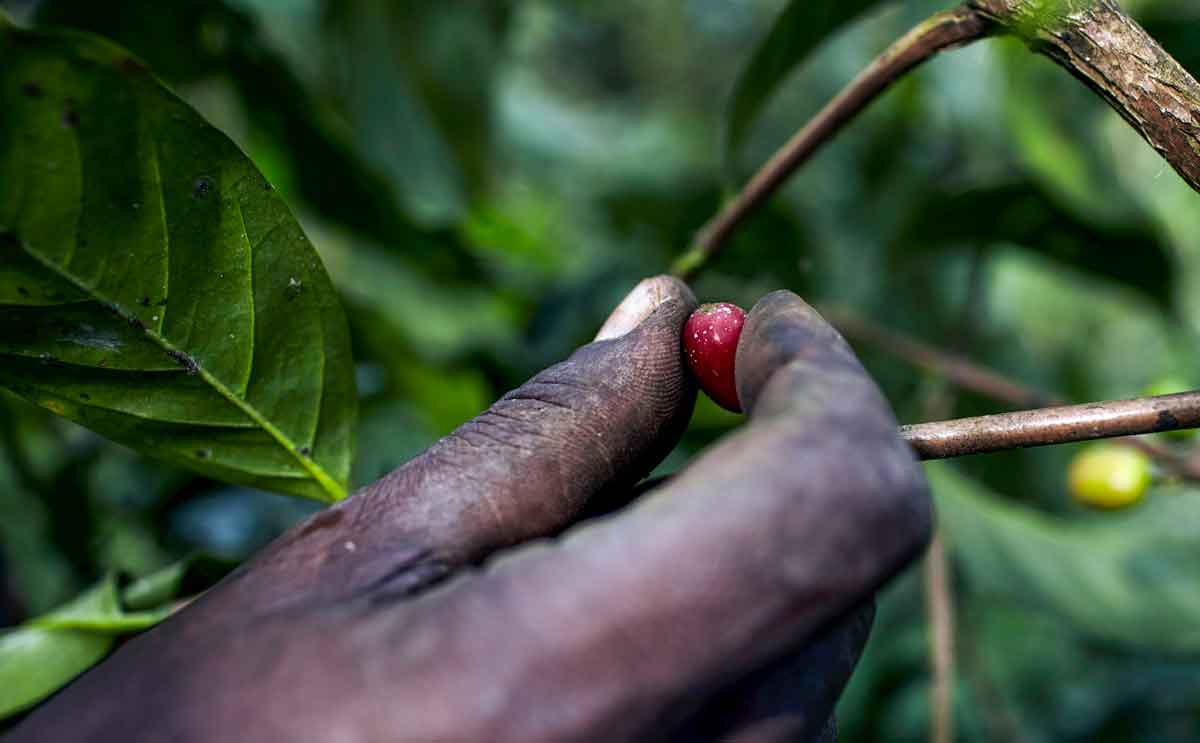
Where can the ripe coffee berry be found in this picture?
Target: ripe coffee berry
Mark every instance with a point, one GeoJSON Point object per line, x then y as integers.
{"type": "Point", "coordinates": [710, 339]}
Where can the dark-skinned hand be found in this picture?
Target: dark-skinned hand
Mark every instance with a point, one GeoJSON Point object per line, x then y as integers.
{"type": "Point", "coordinates": [476, 594]}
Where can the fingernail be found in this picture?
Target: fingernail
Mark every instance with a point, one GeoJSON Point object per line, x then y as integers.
{"type": "Point", "coordinates": [639, 304]}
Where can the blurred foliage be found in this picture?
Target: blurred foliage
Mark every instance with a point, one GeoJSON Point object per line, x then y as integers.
{"type": "Point", "coordinates": [45, 652]}
{"type": "Point", "coordinates": [483, 184]}
{"type": "Point", "coordinates": [797, 30]}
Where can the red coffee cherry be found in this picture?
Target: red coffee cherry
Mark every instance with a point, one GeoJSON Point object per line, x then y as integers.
{"type": "Point", "coordinates": [710, 339]}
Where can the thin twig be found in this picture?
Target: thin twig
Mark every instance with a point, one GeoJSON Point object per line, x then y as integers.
{"type": "Point", "coordinates": [1001, 720]}
{"type": "Point", "coordinates": [1055, 425]}
{"type": "Point", "coordinates": [959, 371]}
{"type": "Point", "coordinates": [939, 400]}
{"type": "Point", "coordinates": [969, 375]}
{"type": "Point", "coordinates": [942, 31]}
{"type": "Point", "coordinates": [939, 605]}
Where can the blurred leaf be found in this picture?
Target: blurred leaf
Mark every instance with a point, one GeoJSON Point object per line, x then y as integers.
{"type": "Point", "coordinates": [391, 433]}
{"type": "Point", "coordinates": [185, 577]}
{"type": "Point", "coordinates": [246, 373]}
{"type": "Point", "coordinates": [1055, 156]}
{"type": "Point", "coordinates": [47, 652]}
{"type": "Point", "coordinates": [232, 523]}
{"type": "Point", "coordinates": [447, 397]}
{"type": "Point", "coordinates": [1127, 578]}
{"type": "Point", "coordinates": [327, 168]}
{"type": "Point", "coordinates": [1049, 137]}
{"type": "Point", "coordinates": [798, 30]}
{"type": "Point", "coordinates": [391, 125]}
{"type": "Point", "coordinates": [1022, 214]}
{"type": "Point", "coordinates": [99, 610]}
{"type": "Point", "coordinates": [1176, 28]}
{"type": "Point", "coordinates": [294, 126]}
{"type": "Point", "coordinates": [454, 53]}
{"type": "Point", "coordinates": [35, 662]}
{"type": "Point", "coordinates": [771, 250]}
{"type": "Point", "coordinates": [157, 588]}
{"type": "Point", "coordinates": [1072, 333]}
{"type": "Point", "coordinates": [183, 40]}
{"type": "Point", "coordinates": [439, 320]}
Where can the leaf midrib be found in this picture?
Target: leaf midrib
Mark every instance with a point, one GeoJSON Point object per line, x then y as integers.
{"type": "Point", "coordinates": [335, 491]}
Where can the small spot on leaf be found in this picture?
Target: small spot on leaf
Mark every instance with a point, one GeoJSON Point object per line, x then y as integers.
{"type": "Point", "coordinates": [202, 188]}
{"type": "Point", "coordinates": [70, 119]}
{"type": "Point", "coordinates": [32, 89]}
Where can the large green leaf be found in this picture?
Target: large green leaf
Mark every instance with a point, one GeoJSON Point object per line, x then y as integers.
{"type": "Point", "coordinates": [155, 287]}
{"type": "Point", "coordinates": [801, 26]}
{"type": "Point", "coordinates": [1128, 578]}
{"type": "Point", "coordinates": [1022, 213]}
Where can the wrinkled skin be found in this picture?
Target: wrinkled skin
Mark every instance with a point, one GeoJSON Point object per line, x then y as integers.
{"type": "Point", "coordinates": [460, 597]}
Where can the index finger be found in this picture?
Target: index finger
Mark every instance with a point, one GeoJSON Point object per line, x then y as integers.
{"type": "Point", "coordinates": [575, 433]}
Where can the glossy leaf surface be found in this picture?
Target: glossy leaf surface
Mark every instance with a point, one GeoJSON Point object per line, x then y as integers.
{"type": "Point", "coordinates": [154, 287]}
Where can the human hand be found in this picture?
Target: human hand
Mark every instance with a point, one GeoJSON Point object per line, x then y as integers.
{"type": "Point", "coordinates": [731, 602]}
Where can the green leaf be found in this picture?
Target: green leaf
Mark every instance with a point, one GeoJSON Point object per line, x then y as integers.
{"type": "Point", "coordinates": [297, 134]}
{"type": "Point", "coordinates": [99, 610]}
{"type": "Point", "coordinates": [1127, 577]}
{"type": "Point", "coordinates": [1023, 214]}
{"type": "Point", "coordinates": [184, 41]}
{"type": "Point", "coordinates": [188, 576]}
{"type": "Point", "coordinates": [156, 289]}
{"type": "Point", "coordinates": [439, 320]}
{"type": "Point", "coordinates": [35, 662]}
{"type": "Point", "coordinates": [392, 126]}
{"type": "Point", "coordinates": [157, 588]}
{"type": "Point", "coordinates": [801, 26]}
{"type": "Point", "coordinates": [47, 652]}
